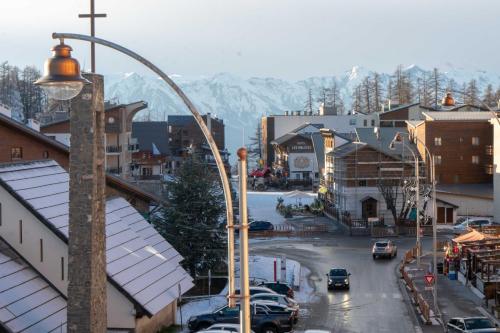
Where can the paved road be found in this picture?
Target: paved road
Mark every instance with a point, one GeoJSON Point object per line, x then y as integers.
{"type": "Point", "coordinates": [374, 303]}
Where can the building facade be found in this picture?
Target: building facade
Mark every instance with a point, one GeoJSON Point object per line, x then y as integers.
{"type": "Point", "coordinates": [120, 145]}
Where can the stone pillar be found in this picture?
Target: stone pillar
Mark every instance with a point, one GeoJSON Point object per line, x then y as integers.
{"type": "Point", "coordinates": [87, 234]}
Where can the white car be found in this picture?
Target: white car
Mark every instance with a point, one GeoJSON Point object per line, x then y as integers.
{"type": "Point", "coordinates": [257, 290]}
{"type": "Point", "coordinates": [217, 328]}
{"type": "Point", "coordinates": [464, 226]}
{"type": "Point", "coordinates": [471, 325]}
{"type": "Point", "coordinates": [384, 248]}
{"type": "Point", "coordinates": [280, 299]}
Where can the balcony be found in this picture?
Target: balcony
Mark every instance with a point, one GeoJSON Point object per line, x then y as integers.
{"type": "Point", "coordinates": [488, 150]}
{"type": "Point", "coordinates": [115, 171]}
{"type": "Point", "coordinates": [488, 169]}
{"type": "Point", "coordinates": [111, 150]}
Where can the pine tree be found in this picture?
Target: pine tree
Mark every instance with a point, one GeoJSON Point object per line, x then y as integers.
{"type": "Point", "coordinates": [255, 150]}
{"type": "Point", "coordinates": [193, 218]}
{"type": "Point", "coordinates": [489, 96]}
{"type": "Point", "coordinates": [309, 104]}
{"type": "Point", "coordinates": [471, 93]}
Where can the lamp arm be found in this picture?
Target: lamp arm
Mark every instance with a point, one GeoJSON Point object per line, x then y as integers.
{"type": "Point", "coordinates": [199, 120]}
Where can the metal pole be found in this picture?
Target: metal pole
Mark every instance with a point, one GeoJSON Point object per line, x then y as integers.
{"type": "Point", "coordinates": [417, 199]}
{"type": "Point", "coordinates": [434, 233]}
{"type": "Point", "coordinates": [206, 133]}
{"type": "Point", "coordinates": [244, 274]}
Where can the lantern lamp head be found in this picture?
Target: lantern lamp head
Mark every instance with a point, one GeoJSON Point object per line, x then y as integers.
{"type": "Point", "coordinates": [62, 79]}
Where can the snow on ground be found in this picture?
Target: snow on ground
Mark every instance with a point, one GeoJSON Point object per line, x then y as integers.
{"type": "Point", "coordinates": [196, 307]}
{"type": "Point", "coordinates": [262, 205]}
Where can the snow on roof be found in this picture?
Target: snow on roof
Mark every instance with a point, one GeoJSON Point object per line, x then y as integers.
{"type": "Point", "coordinates": [27, 302]}
{"type": "Point", "coordinates": [458, 115]}
{"type": "Point", "coordinates": [138, 258]}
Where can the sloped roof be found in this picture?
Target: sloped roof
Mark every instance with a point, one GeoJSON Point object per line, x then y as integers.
{"type": "Point", "coordinates": [382, 140]}
{"type": "Point", "coordinates": [301, 127]}
{"type": "Point", "coordinates": [348, 148]}
{"type": "Point", "coordinates": [284, 138]}
{"type": "Point", "coordinates": [319, 149]}
{"type": "Point", "coordinates": [140, 262]}
{"type": "Point", "coordinates": [400, 107]}
{"type": "Point", "coordinates": [180, 120]}
{"type": "Point", "coordinates": [28, 303]}
{"type": "Point", "coordinates": [458, 116]}
{"type": "Point", "coordinates": [148, 133]}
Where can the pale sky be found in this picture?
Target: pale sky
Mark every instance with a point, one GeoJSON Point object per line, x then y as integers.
{"type": "Point", "coordinates": [290, 39]}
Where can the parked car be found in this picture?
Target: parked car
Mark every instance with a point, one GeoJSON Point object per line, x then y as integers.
{"type": "Point", "coordinates": [384, 248]}
{"type": "Point", "coordinates": [215, 328]}
{"type": "Point", "coordinates": [471, 325]}
{"type": "Point", "coordinates": [280, 299]}
{"type": "Point", "coordinates": [260, 226]}
{"type": "Point", "coordinates": [280, 288]}
{"type": "Point", "coordinates": [276, 307]}
{"type": "Point", "coordinates": [257, 290]}
{"type": "Point", "coordinates": [338, 278]}
{"type": "Point", "coordinates": [263, 319]}
{"type": "Point", "coordinates": [462, 227]}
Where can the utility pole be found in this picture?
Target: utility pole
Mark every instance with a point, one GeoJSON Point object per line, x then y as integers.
{"type": "Point", "coordinates": [92, 17]}
{"type": "Point", "coordinates": [417, 199]}
{"type": "Point", "coordinates": [243, 227]}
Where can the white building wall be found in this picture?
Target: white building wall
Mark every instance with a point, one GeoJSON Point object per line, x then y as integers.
{"type": "Point", "coordinates": [120, 309]}
{"type": "Point", "coordinates": [312, 167]}
{"type": "Point", "coordinates": [472, 206]}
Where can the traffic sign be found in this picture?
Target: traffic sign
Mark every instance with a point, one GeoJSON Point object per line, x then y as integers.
{"type": "Point", "coordinates": [429, 279]}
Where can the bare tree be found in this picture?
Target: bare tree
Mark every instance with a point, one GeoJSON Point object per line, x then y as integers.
{"type": "Point", "coordinates": [436, 83]}
{"type": "Point", "coordinates": [309, 104]}
{"type": "Point", "coordinates": [393, 193]}
{"type": "Point", "coordinates": [471, 93]}
{"type": "Point", "coordinates": [489, 96]}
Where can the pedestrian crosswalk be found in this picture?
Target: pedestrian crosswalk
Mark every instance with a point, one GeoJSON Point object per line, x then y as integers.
{"type": "Point", "coordinates": [383, 295]}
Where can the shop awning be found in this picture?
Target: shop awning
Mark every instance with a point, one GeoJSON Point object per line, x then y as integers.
{"type": "Point", "coordinates": [473, 236]}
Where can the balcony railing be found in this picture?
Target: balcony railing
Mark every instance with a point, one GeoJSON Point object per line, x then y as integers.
{"type": "Point", "coordinates": [113, 149]}
{"type": "Point", "coordinates": [115, 171]}
{"type": "Point", "coordinates": [488, 150]}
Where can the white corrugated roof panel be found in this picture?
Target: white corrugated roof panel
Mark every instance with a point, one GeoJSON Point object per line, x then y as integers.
{"type": "Point", "coordinates": [458, 115]}
{"type": "Point", "coordinates": [27, 302]}
{"type": "Point", "coordinates": [138, 258]}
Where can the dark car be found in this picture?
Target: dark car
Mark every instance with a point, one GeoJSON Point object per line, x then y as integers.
{"type": "Point", "coordinates": [280, 288]}
{"type": "Point", "coordinates": [264, 320]}
{"type": "Point", "coordinates": [338, 278]}
{"type": "Point", "coordinates": [260, 226]}
{"type": "Point", "coordinates": [471, 325]}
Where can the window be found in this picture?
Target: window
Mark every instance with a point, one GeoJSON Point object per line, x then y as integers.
{"type": "Point", "coordinates": [62, 268]}
{"type": "Point", "coordinates": [475, 159]}
{"type": "Point", "coordinates": [16, 153]}
{"type": "Point", "coordinates": [437, 141]}
{"type": "Point", "coordinates": [352, 121]}
{"type": "Point", "coordinates": [461, 140]}
{"type": "Point", "coordinates": [437, 159]}
{"type": "Point", "coordinates": [41, 250]}
{"type": "Point", "coordinates": [45, 154]}
{"type": "Point", "coordinates": [475, 141]}
{"type": "Point", "coordinates": [461, 157]}
{"type": "Point", "coordinates": [456, 179]}
{"type": "Point", "coordinates": [373, 122]}
{"type": "Point", "coordinates": [362, 183]}
{"type": "Point", "coordinates": [297, 176]}
{"type": "Point", "coordinates": [365, 123]}
{"type": "Point", "coordinates": [20, 231]}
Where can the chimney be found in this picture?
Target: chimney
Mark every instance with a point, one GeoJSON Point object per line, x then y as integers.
{"type": "Point", "coordinates": [34, 124]}
{"type": "Point", "coordinates": [209, 122]}
{"type": "Point", "coordinates": [448, 100]}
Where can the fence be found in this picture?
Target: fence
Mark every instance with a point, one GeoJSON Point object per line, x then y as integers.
{"type": "Point", "coordinates": [417, 297]}
{"type": "Point", "coordinates": [286, 230]}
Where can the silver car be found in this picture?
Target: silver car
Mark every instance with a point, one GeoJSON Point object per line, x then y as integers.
{"type": "Point", "coordinates": [471, 325]}
{"type": "Point", "coordinates": [384, 248]}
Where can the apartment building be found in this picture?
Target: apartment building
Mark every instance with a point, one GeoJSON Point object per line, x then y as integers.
{"type": "Point", "coordinates": [119, 141]}
{"type": "Point", "coordinates": [275, 126]}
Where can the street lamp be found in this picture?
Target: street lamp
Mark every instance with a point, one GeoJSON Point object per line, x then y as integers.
{"type": "Point", "coordinates": [417, 186]}
{"type": "Point", "coordinates": [62, 80]}
{"type": "Point", "coordinates": [198, 118]}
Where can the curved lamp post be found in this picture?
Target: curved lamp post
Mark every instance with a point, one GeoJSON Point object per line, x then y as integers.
{"type": "Point", "coordinates": [53, 82]}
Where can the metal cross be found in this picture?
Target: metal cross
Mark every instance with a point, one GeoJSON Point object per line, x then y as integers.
{"type": "Point", "coordinates": [92, 17]}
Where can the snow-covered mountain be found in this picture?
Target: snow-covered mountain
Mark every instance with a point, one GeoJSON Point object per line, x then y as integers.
{"type": "Point", "coordinates": [240, 102]}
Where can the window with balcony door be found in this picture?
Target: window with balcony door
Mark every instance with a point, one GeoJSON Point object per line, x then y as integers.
{"type": "Point", "coordinates": [437, 141]}
{"type": "Point", "coordinates": [475, 159]}
{"type": "Point", "coordinates": [437, 159]}
{"type": "Point", "coordinates": [475, 141]}
{"type": "Point", "coordinates": [16, 153]}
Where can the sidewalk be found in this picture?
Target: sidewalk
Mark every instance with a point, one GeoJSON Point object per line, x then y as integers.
{"type": "Point", "coordinates": [454, 298]}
